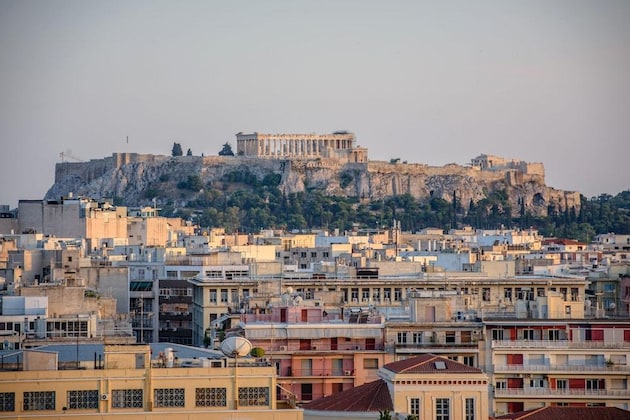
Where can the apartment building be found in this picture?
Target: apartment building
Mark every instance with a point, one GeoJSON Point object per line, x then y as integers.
{"type": "Point", "coordinates": [538, 362]}
{"type": "Point", "coordinates": [425, 387]}
{"type": "Point", "coordinates": [131, 382]}
{"type": "Point", "coordinates": [317, 352]}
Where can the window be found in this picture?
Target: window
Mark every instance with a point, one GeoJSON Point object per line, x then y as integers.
{"type": "Point", "coordinates": [501, 385]}
{"type": "Point", "coordinates": [401, 338]}
{"type": "Point", "coordinates": [485, 294]}
{"type": "Point", "coordinates": [210, 397]}
{"type": "Point", "coordinates": [528, 334]}
{"type": "Point", "coordinates": [7, 401]}
{"type": "Point", "coordinates": [442, 409]}
{"type": "Point", "coordinates": [39, 400]}
{"type": "Point", "coordinates": [253, 396]}
{"type": "Point", "coordinates": [168, 397]}
{"type": "Point", "coordinates": [82, 399]}
{"type": "Point", "coordinates": [376, 294]}
{"type": "Point", "coordinates": [370, 363]}
{"type": "Point", "coordinates": [416, 338]}
{"type": "Point", "coordinates": [593, 384]}
{"type": "Point", "coordinates": [497, 334]}
{"type": "Point", "coordinates": [469, 409]}
{"type": "Point", "coordinates": [127, 398]}
{"type": "Point", "coordinates": [224, 295]}
{"type": "Point", "coordinates": [536, 383]}
{"type": "Point", "coordinates": [469, 360]}
{"type": "Point", "coordinates": [562, 384]}
{"type": "Point", "coordinates": [414, 407]}
{"type": "Point", "coordinates": [507, 293]}
{"type": "Point", "coordinates": [313, 254]}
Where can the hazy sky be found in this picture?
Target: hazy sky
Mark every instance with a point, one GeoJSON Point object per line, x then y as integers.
{"type": "Point", "coordinates": [429, 82]}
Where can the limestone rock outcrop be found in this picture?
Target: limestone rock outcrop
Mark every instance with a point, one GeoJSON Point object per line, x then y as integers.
{"type": "Point", "coordinates": [135, 178]}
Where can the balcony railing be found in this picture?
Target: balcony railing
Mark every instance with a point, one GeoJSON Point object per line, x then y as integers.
{"type": "Point", "coordinates": [560, 368]}
{"type": "Point", "coordinates": [550, 392]}
{"type": "Point", "coordinates": [317, 372]}
{"type": "Point", "coordinates": [558, 344]}
{"type": "Point", "coordinates": [433, 344]}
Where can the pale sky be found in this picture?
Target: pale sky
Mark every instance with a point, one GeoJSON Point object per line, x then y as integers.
{"type": "Point", "coordinates": [429, 82]}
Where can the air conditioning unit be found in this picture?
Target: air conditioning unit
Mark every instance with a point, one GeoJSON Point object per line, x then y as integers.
{"type": "Point", "coordinates": [313, 347]}
{"type": "Point", "coordinates": [104, 397]}
{"type": "Point", "coordinates": [348, 372]}
{"type": "Point", "coordinates": [283, 348]}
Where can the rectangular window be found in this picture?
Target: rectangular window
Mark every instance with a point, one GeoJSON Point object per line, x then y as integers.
{"type": "Point", "coordinates": [469, 360]}
{"type": "Point", "coordinates": [497, 334]}
{"type": "Point", "coordinates": [414, 407]}
{"type": "Point", "coordinates": [253, 396]}
{"type": "Point", "coordinates": [168, 397]}
{"type": "Point", "coordinates": [82, 399]}
{"type": "Point", "coordinates": [370, 363]}
{"type": "Point", "coordinates": [39, 400]}
{"type": "Point", "coordinates": [507, 293]}
{"type": "Point", "coordinates": [528, 334]}
{"type": "Point", "coordinates": [211, 397]}
{"type": "Point", "coordinates": [593, 384]}
{"type": "Point", "coordinates": [562, 384]}
{"type": "Point", "coordinates": [442, 409]}
{"type": "Point", "coordinates": [485, 294]}
{"type": "Point", "coordinates": [127, 398]}
{"type": "Point", "coordinates": [469, 409]}
{"type": "Point", "coordinates": [402, 338]}
{"type": "Point", "coordinates": [224, 295]}
{"type": "Point", "coordinates": [7, 401]}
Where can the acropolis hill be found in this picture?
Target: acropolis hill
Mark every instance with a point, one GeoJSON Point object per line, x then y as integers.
{"type": "Point", "coordinates": [330, 163]}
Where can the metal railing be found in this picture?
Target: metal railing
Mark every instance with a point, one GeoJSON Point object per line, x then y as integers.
{"type": "Point", "coordinates": [551, 392]}
{"type": "Point", "coordinates": [561, 368]}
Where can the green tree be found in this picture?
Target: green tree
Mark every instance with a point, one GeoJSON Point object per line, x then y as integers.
{"type": "Point", "coordinates": [177, 150]}
{"type": "Point", "coordinates": [227, 150]}
{"type": "Point", "coordinates": [384, 415]}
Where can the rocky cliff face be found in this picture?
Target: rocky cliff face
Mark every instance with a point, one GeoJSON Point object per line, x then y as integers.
{"type": "Point", "coordinates": [135, 178]}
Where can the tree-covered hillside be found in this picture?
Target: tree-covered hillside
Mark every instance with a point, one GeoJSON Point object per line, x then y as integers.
{"type": "Point", "coordinates": [244, 203]}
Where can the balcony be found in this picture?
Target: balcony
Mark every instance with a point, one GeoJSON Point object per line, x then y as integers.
{"type": "Point", "coordinates": [560, 368]}
{"type": "Point", "coordinates": [560, 393]}
{"type": "Point", "coordinates": [295, 373]}
{"type": "Point", "coordinates": [558, 344]}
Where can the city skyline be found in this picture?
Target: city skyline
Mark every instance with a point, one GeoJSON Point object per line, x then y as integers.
{"type": "Point", "coordinates": [424, 82]}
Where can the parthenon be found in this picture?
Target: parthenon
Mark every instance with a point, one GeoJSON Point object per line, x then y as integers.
{"type": "Point", "coordinates": [339, 145]}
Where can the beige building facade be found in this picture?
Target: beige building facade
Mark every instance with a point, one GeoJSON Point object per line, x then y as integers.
{"type": "Point", "coordinates": [132, 385]}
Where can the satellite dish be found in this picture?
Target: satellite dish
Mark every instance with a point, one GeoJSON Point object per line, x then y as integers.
{"type": "Point", "coordinates": [236, 346]}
